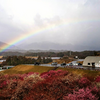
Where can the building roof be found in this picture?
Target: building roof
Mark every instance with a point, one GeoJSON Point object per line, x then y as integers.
{"type": "Point", "coordinates": [90, 59]}
{"type": "Point", "coordinates": [32, 57]}
{"type": "Point", "coordinates": [0, 62]}
{"type": "Point", "coordinates": [7, 66]}
{"type": "Point", "coordinates": [1, 57]}
{"type": "Point", "coordinates": [53, 58]}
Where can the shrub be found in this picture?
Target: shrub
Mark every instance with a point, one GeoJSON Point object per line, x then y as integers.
{"type": "Point", "coordinates": [50, 89]}
{"type": "Point", "coordinates": [81, 94]}
{"type": "Point", "coordinates": [13, 84]}
{"type": "Point", "coordinates": [84, 82]}
{"type": "Point", "coordinates": [17, 86]}
{"type": "Point", "coordinates": [98, 79]}
{"type": "Point", "coordinates": [89, 77]}
{"type": "Point", "coordinates": [25, 86]}
{"type": "Point", "coordinates": [53, 73]}
{"type": "Point", "coordinates": [3, 84]}
{"type": "Point", "coordinates": [52, 85]}
{"type": "Point", "coordinates": [14, 76]}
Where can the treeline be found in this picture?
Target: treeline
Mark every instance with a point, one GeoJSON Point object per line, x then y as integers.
{"type": "Point", "coordinates": [16, 60]}
{"type": "Point", "coordinates": [81, 54]}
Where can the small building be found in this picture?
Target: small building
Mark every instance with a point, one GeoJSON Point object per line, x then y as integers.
{"type": "Point", "coordinates": [0, 68]}
{"type": "Point", "coordinates": [76, 57]}
{"type": "Point", "coordinates": [92, 61]}
{"type": "Point", "coordinates": [32, 57]}
{"type": "Point", "coordinates": [73, 63]}
{"type": "Point", "coordinates": [54, 59]}
{"type": "Point", "coordinates": [1, 61]}
{"type": "Point", "coordinates": [1, 57]}
{"type": "Point", "coordinates": [7, 67]}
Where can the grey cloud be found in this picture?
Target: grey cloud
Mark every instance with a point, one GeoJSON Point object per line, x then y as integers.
{"type": "Point", "coordinates": [46, 21]}
{"type": "Point", "coordinates": [8, 29]}
{"type": "Point", "coordinates": [38, 21]}
{"type": "Point", "coordinates": [83, 34]}
{"type": "Point", "coordinates": [92, 3]}
{"type": "Point", "coordinates": [91, 9]}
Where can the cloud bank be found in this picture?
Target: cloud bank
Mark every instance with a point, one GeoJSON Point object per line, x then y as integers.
{"type": "Point", "coordinates": [75, 22]}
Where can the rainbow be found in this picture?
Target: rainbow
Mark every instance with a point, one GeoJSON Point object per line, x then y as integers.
{"type": "Point", "coordinates": [43, 29]}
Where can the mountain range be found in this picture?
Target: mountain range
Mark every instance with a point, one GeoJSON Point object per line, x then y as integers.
{"type": "Point", "coordinates": [46, 46]}
{"type": "Point", "coordinates": [54, 46]}
{"type": "Point", "coordinates": [2, 43]}
{"type": "Point", "coordinates": [13, 47]}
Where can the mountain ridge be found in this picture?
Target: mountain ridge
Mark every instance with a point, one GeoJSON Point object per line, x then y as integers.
{"type": "Point", "coordinates": [46, 46]}
{"type": "Point", "coordinates": [13, 47]}
{"type": "Point", "coordinates": [54, 46]}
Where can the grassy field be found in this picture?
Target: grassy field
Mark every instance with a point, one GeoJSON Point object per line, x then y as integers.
{"type": "Point", "coordinates": [81, 72]}
{"type": "Point", "coordinates": [21, 69]}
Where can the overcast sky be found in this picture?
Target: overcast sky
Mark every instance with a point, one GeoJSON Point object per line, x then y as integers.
{"type": "Point", "coordinates": [79, 21]}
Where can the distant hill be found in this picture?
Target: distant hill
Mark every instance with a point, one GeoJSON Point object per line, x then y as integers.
{"type": "Point", "coordinates": [13, 47]}
{"type": "Point", "coordinates": [54, 46]}
{"type": "Point", "coordinates": [2, 43]}
{"type": "Point", "coordinates": [47, 46]}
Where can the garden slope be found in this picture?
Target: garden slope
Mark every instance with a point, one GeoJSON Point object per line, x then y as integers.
{"type": "Point", "coordinates": [81, 72]}
{"type": "Point", "coordinates": [21, 69]}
